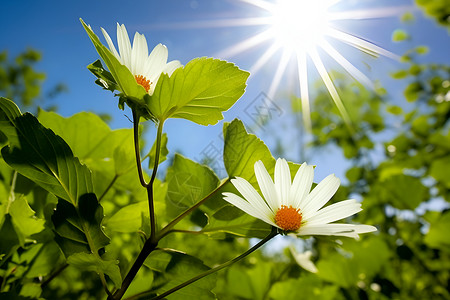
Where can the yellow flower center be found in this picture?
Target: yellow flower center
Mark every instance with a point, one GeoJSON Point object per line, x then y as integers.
{"type": "Point", "coordinates": [143, 81]}
{"type": "Point", "coordinates": [288, 218]}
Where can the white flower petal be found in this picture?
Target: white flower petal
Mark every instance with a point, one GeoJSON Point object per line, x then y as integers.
{"type": "Point", "coordinates": [266, 186]}
{"type": "Point", "coordinates": [334, 212]}
{"type": "Point", "coordinates": [171, 67]}
{"type": "Point", "coordinates": [246, 207]}
{"type": "Point", "coordinates": [139, 54]}
{"type": "Point", "coordinates": [304, 260]}
{"type": "Point", "coordinates": [156, 62]}
{"type": "Point", "coordinates": [348, 230]}
{"type": "Point", "coordinates": [282, 180]}
{"type": "Point", "coordinates": [252, 196]}
{"type": "Point", "coordinates": [301, 186]}
{"type": "Point", "coordinates": [111, 45]}
{"type": "Point", "coordinates": [319, 196]}
{"type": "Point", "coordinates": [124, 45]}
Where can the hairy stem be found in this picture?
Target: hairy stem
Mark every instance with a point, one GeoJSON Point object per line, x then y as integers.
{"type": "Point", "coordinates": [152, 180]}
{"type": "Point", "coordinates": [136, 118]}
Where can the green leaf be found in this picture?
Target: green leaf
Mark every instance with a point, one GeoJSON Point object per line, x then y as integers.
{"type": "Point", "coordinates": [78, 229]}
{"type": "Point", "coordinates": [163, 152]}
{"type": "Point", "coordinates": [40, 155]}
{"type": "Point", "coordinates": [439, 170]}
{"type": "Point", "coordinates": [129, 218]}
{"type": "Point", "coordinates": [422, 50]}
{"type": "Point", "coordinates": [188, 182]}
{"type": "Point", "coordinates": [438, 237]}
{"type": "Point", "coordinates": [252, 283]}
{"type": "Point", "coordinates": [131, 90]}
{"type": "Point", "coordinates": [413, 91]}
{"type": "Point", "coordinates": [403, 191]}
{"type": "Point", "coordinates": [174, 268]}
{"type": "Point", "coordinates": [48, 258]}
{"type": "Point", "coordinates": [198, 92]}
{"type": "Point", "coordinates": [400, 35]}
{"type": "Point", "coordinates": [90, 262]}
{"type": "Point", "coordinates": [97, 140]}
{"type": "Point", "coordinates": [310, 287]}
{"type": "Point", "coordinates": [400, 74]}
{"type": "Point", "coordinates": [109, 154]}
{"type": "Point", "coordinates": [242, 150]}
{"type": "Point", "coordinates": [25, 222]}
{"type": "Point", "coordinates": [394, 109]}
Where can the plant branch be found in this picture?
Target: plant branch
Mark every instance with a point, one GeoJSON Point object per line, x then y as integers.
{"type": "Point", "coordinates": [149, 246]}
{"type": "Point", "coordinates": [56, 273]}
{"type": "Point", "coordinates": [272, 234]}
{"type": "Point", "coordinates": [108, 187]}
{"type": "Point", "coordinates": [175, 221]}
{"type": "Point", "coordinates": [152, 242]}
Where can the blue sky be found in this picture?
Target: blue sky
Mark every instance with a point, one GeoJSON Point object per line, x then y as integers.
{"type": "Point", "coordinates": [53, 28]}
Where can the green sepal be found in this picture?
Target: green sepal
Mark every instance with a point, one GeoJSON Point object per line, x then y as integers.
{"type": "Point", "coordinates": [131, 92]}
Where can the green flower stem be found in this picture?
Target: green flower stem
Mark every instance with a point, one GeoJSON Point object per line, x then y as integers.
{"type": "Point", "coordinates": [150, 184]}
{"type": "Point", "coordinates": [272, 234]}
{"type": "Point", "coordinates": [136, 118]}
{"type": "Point", "coordinates": [152, 242]}
{"type": "Point", "coordinates": [175, 221]}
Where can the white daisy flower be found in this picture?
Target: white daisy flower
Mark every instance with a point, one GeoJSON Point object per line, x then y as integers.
{"type": "Point", "coordinates": [145, 68]}
{"type": "Point", "coordinates": [292, 206]}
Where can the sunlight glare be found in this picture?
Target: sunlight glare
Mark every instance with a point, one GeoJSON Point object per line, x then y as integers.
{"type": "Point", "coordinates": [300, 24]}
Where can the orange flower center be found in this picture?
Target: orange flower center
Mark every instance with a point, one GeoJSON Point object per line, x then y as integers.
{"type": "Point", "coordinates": [143, 81]}
{"type": "Point", "coordinates": [288, 218]}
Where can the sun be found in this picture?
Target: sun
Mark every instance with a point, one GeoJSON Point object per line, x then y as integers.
{"type": "Point", "coordinates": [299, 25]}
{"type": "Point", "coordinates": [299, 28]}
{"type": "Point", "coordinates": [303, 31]}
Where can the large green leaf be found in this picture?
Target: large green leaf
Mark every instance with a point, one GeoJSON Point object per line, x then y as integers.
{"type": "Point", "coordinates": [242, 150]}
{"type": "Point", "coordinates": [91, 262]}
{"type": "Point", "coordinates": [403, 191]}
{"type": "Point", "coordinates": [188, 182]}
{"type": "Point", "coordinates": [199, 92]}
{"type": "Point", "coordinates": [45, 158]}
{"type": "Point", "coordinates": [24, 220]}
{"type": "Point", "coordinates": [173, 268]}
{"type": "Point", "coordinates": [78, 229]}
{"type": "Point", "coordinates": [109, 154]}
{"type": "Point", "coordinates": [310, 287]}
{"type": "Point", "coordinates": [437, 236]}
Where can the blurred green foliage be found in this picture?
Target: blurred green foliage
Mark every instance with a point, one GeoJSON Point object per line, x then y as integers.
{"type": "Point", "coordinates": [437, 9]}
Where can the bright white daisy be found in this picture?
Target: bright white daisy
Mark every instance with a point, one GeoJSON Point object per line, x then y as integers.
{"type": "Point", "coordinates": [292, 206]}
{"type": "Point", "coordinates": [145, 68]}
